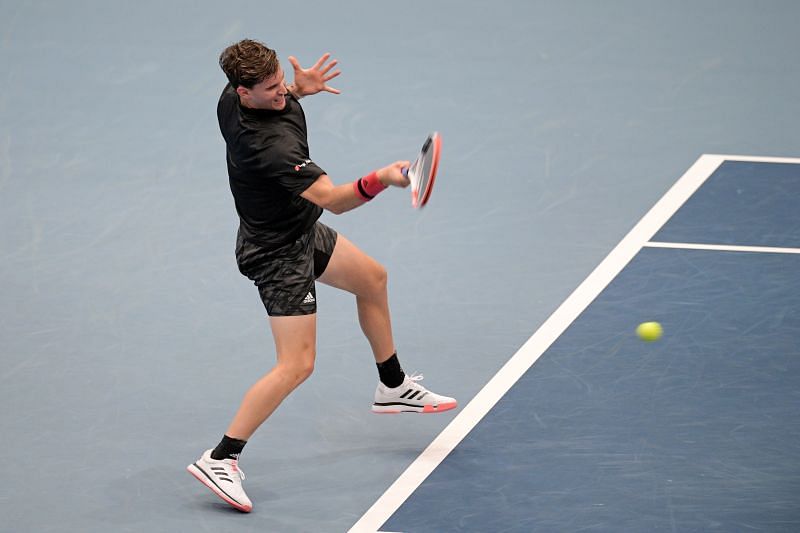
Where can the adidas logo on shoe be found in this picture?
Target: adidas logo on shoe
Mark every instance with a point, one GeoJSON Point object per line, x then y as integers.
{"type": "Point", "coordinates": [309, 299]}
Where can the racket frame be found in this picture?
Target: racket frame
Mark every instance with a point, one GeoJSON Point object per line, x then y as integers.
{"type": "Point", "coordinates": [432, 145]}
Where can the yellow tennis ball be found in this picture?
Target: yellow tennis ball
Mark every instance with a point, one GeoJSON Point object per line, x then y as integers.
{"type": "Point", "coordinates": [649, 331]}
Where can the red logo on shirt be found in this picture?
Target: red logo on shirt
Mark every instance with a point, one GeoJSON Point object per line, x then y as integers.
{"type": "Point", "coordinates": [301, 165]}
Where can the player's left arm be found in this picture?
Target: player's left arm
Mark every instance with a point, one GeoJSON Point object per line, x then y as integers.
{"type": "Point", "coordinates": [308, 81]}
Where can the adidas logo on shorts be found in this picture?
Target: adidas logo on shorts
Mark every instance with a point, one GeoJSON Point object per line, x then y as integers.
{"type": "Point", "coordinates": [309, 299]}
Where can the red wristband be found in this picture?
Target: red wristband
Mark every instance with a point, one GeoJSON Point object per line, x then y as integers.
{"type": "Point", "coordinates": [368, 187]}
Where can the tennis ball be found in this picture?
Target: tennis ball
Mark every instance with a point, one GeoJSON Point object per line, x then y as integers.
{"type": "Point", "coordinates": [649, 331]}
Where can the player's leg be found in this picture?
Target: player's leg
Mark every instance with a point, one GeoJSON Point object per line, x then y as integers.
{"type": "Point", "coordinates": [354, 271]}
{"type": "Point", "coordinates": [295, 341]}
{"type": "Point", "coordinates": [285, 279]}
{"type": "Point", "coordinates": [295, 345]}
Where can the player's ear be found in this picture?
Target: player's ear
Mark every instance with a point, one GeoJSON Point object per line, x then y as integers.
{"type": "Point", "coordinates": [242, 91]}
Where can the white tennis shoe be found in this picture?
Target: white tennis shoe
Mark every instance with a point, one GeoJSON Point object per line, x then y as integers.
{"type": "Point", "coordinates": [410, 397]}
{"type": "Point", "coordinates": [224, 478]}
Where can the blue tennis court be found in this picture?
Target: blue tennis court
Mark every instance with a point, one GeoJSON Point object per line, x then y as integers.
{"type": "Point", "coordinates": [697, 432]}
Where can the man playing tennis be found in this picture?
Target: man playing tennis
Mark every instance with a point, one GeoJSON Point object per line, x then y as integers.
{"type": "Point", "coordinates": [281, 246]}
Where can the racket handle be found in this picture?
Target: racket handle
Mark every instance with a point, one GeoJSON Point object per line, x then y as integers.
{"type": "Point", "coordinates": [404, 170]}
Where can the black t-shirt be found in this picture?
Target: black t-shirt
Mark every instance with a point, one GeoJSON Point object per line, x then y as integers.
{"type": "Point", "coordinates": [268, 167]}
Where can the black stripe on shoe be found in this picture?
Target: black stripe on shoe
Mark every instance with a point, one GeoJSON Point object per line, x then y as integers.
{"type": "Point", "coordinates": [211, 479]}
{"type": "Point", "coordinates": [390, 404]}
{"type": "Point", "coordinates": [220, 472]}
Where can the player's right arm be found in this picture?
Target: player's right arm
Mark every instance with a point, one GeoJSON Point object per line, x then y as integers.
{"type": "Point", "coordinates": [342, 198]}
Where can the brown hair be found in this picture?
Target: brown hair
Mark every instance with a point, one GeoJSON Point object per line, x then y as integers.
{"type": "Point", "coordinates": [248, 62]}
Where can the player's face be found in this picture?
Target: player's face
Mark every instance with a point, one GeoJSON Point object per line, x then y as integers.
{"type": "Point", "coordinates": [268, 94]}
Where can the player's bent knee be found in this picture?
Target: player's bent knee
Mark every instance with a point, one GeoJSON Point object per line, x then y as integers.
{"type": "Point", "coordinates": [371, 282]}
{"type": "Point", "coordinates": [304, 365]}
{"type": "Point", "coordinates": [296, 363]}
{"type": "Point", "coordinates": [298, 371]}
{"type": "Point", "coordinates": [379, 278]}
{"type": "Point", "coordinates": [304, 371]}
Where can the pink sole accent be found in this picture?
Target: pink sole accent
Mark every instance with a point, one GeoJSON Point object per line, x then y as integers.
{"type": "Point", "coordinates": [426, 409]}
{"type": "Point", "coordinates": [440, 408]}
{"type": "Point", "coordinates": [243, 508]}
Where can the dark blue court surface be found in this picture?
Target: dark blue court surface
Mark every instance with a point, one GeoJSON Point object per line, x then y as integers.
{"type": "Point", "coordinates": [743, 203]}
{"type": "Point", "coordinates": [697, 432]}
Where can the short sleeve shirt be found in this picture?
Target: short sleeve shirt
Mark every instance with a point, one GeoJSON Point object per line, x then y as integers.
{"type": "Point", "coordinates": [269, 166]}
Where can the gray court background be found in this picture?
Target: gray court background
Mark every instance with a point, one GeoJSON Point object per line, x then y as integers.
{"type": "Point", "coordinates": [127, 336]}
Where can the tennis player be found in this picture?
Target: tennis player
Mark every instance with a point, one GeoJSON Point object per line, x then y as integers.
{"type": "Point", "coordinates": [280, 193]}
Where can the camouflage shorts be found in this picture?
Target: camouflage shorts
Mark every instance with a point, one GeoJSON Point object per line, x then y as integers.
{"type": "Point", "coordinates": [285, 276]}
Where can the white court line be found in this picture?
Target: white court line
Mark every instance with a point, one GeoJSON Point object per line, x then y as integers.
{"type": "Point", "coordinates": [554, 326]}
{"type": "Point", "coordinates": [756, 159]}
{"type": "Point", "coordinates": [722, 247]}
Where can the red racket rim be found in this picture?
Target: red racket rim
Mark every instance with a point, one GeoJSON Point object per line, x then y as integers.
{"type": "Point", "coordinates": [436, 140]}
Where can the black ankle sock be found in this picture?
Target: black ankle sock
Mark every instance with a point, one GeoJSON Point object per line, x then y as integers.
{"type": "Point", "coordinates": [390, 372]}
{"type": "Point", "coordinates": [228, 448]}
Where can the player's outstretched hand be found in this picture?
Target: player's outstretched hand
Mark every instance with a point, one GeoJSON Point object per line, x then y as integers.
{"type": "Point", "coordinates": [308, 81]}
{"type": "Point", "coordinates": [393, 174]}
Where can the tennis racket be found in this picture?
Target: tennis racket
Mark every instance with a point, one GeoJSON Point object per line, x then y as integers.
{"type": "Point", "coordinates": [422, 173]}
